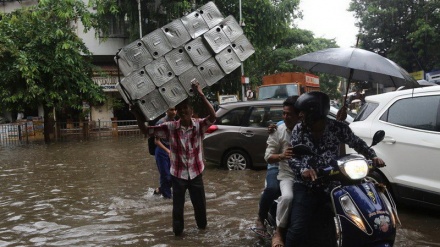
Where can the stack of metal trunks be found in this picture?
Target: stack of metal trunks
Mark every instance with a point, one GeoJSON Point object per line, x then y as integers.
{"type": "Point", "coordinates": [158, 69]}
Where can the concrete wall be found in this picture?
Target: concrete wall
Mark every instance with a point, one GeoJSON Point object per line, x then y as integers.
{"type": "Point", "coordinates": [103, 113]}
{"type": "Point", "coordinates": [96, 46]}
{"type": "Point", "coordinates": [8, 7]}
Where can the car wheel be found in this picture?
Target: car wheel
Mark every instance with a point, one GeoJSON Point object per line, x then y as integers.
{"type": "Point", "coordinates": [378, 177]}
{"type": "Point", "coordinates": [236, 160]}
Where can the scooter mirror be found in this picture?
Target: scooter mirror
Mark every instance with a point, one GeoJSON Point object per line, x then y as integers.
{"type": "Point", "coordinates": [378, 137]}
{"type": "Point", "coordinates": [302, 149]}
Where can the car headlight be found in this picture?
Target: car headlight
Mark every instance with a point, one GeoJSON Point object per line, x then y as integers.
{"type": "Point", "coordinates": [354, 169]}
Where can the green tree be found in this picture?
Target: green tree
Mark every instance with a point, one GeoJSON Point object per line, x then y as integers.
{"type": "Point", "coordinates": [296, 42]}
{"type": "Point", "coordinates": [42, 60]}
{"type": "Point", "coordinates": [328, 83]}
{"type": "Point", "coordinates": [404, 31]}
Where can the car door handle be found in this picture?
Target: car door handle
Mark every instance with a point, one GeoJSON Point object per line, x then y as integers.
{"type": "Point", "coordinates": [248, 133]}
{"type": "Point", "coordinates": [389, 140]}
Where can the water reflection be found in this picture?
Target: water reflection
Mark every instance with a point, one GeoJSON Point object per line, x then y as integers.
{"type": "Point", "coordinates": [100, 193]}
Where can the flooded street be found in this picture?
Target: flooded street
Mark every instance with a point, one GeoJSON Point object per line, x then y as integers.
{"type": "Point", "coordinates": [100, 193]}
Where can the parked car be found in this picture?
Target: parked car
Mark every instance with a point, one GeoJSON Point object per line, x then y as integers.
{"type": "Point", "coordinates": [425, 83]}
{"type": "Point", "coordinates": [237, 141]}
{"type": "Point", "coordinates": [411, 148]}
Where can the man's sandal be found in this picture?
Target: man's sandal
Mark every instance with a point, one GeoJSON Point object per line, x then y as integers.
{"type": "Point", "coordinates": [156, 191]}
{"type": "Point", "coordinates": [261, 232]}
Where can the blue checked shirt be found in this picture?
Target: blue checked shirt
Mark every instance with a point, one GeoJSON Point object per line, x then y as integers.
{"type": "Point", "coordinates": [335, 133]}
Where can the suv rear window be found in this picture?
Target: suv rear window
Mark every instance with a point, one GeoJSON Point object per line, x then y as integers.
{"type": "Point", "coordinates": [262, 116]}
{"type": "Point", "coordinates": [365, 111]}
{"type": "Point", "coordinates": [233, 118]}
{"type": "Point", "coordinates": [419, 113]}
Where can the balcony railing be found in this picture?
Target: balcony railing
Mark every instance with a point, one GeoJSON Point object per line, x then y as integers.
{"type": "Point", "coordinates": [30, 131]}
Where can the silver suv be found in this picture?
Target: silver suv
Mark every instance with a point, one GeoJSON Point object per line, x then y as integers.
{"type": "Point", "coordinates": [237, 141]}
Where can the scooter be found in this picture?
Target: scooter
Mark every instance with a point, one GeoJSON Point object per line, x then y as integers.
{"type": "Point", "coordinates": [363, 210]}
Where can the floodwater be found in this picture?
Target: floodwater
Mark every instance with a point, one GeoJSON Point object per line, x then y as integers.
{"type": "Point", "coordinates": [100, 193]}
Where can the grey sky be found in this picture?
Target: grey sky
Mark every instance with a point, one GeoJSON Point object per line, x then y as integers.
{"type": "Point", "coordinates": [329, 19]}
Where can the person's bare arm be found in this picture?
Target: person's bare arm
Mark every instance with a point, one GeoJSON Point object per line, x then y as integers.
{"type": "Point", "coordinates": [160, 144]}
{"type": "Point", "coordinates": [140, 119]}
{"type": "Point", "coordinates": [342, 113]}
{"type": "Point", "coordinates": [286, 154]}
{"type": "Point", "coordinates": [271, 128]}
{"type": "Point", "coordinates": [196, 87]}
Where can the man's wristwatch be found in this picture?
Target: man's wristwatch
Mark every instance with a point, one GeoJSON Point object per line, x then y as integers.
{"type": "Point", "coordinates": [280, 157]}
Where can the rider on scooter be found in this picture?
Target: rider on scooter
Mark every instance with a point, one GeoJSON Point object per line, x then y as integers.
{"type": "Point", "coordinates": [279, 150]}
{"type": "Point", "coordinates": [323, 136]}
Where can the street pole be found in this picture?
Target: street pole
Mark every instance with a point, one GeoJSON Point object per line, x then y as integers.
{"type": "Point", "coordinates": [243, 98]}
{"type": "Point", "coordinates": [140, 19]}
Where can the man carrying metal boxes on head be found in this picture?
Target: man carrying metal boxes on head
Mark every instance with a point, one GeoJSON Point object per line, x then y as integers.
{"type": "Point", "coordinates": [185, 138]}
{"type": "Point", "coordinates": [164, 68]}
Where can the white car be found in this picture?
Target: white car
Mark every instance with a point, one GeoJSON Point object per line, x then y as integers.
{"type": "Point", "coordinates": [411, 148]}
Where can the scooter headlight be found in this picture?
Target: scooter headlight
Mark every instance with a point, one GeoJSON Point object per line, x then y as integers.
{"type": "Point", "coordinates": [352, 212]}
{"type": "Point", "coordinates": [354, 169]}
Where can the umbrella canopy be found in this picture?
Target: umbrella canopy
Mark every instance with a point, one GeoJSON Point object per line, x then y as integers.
{"type": "Point", "coordinates": [356, 64]}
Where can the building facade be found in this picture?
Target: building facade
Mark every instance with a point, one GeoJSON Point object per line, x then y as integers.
{"type": "Point", "coordinates": [103, 51]}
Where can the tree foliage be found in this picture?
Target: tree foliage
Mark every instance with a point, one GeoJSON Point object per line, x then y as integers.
{"type": "Point", "coordinates": [406, 31]}
{"type": "Point", "coordinates": [328, 83]}
{"type": "Point", "coordinates": [43, 61]}
{"type": "Point", "coordinates": [295, 43]}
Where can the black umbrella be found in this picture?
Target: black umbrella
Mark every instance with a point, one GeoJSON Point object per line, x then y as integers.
{"type": "Point", "coordinates": [356, 64]}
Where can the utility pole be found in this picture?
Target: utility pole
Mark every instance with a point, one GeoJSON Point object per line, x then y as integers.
{"type": "Point", "coordinates": [140, 19]}
{"type": "Point", "coordinates": [243, 98]}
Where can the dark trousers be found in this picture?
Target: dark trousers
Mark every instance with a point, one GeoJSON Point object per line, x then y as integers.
{"type": "Point", "coordinates": [311, 221]}
{"type": "Point", "coordinates": [197, 194]}
{"type": "Point", "coordinates": [270, 193]}
{"type": "Point", "coordinates": [163, 165]}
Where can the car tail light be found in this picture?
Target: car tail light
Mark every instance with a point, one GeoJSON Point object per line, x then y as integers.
{"type": "Point", "coordinates": [211, 129]}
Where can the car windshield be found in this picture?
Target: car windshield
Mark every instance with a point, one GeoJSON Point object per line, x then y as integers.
{"type": "Point", "coordinates": [334, 111]}
{"type": "Point", "coordinates": [365, 111]}
{"type": "Point", "coordinates": [277, 91]}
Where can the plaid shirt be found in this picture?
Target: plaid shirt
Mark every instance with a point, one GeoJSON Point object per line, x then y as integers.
{"type": "Point", "coordinates": [185, 146]}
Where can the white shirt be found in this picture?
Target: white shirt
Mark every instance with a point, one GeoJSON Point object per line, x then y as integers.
{"type": "Point", "coordinates": [277, 142]}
